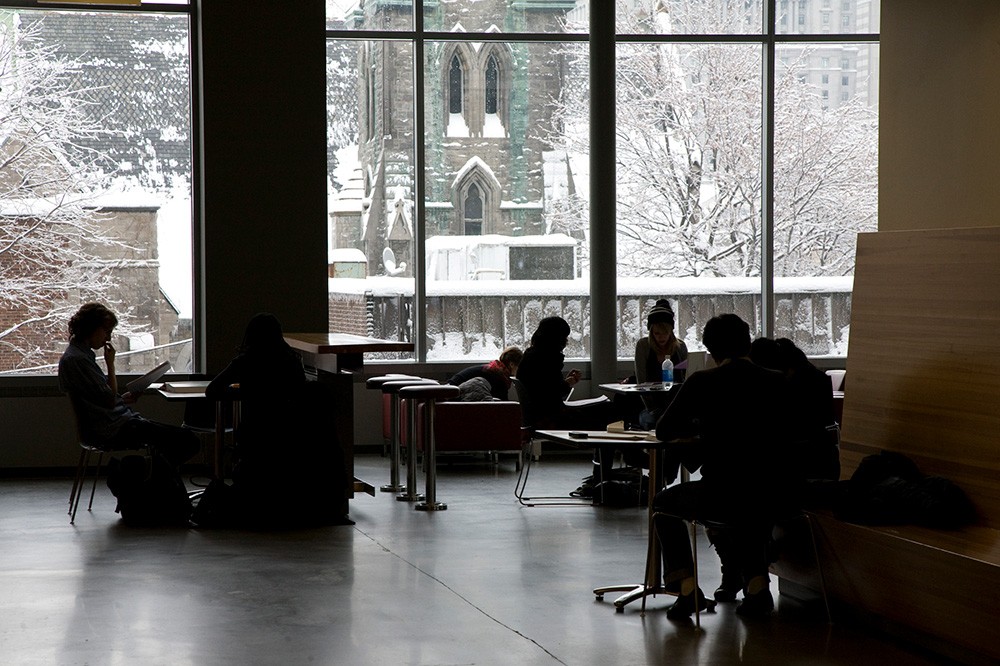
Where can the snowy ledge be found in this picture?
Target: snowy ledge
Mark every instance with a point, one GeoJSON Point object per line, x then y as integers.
{"type": "Point", "coordinates": [401, 286]}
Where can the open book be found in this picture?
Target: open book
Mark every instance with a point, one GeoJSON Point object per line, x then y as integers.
{"type": "Point", "coordinates": [137, 386]}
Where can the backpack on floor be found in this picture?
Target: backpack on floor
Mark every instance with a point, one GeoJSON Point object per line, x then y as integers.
{"type": "Point", "coordinates": [149, 491]}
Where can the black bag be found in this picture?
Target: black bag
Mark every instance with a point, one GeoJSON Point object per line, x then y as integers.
{"type": "Point", "coordinates": [149, 491]}
{"type": "Point", "coordinates": [217, 507]}
{"type": "Point", "coordinates": [888, 489]}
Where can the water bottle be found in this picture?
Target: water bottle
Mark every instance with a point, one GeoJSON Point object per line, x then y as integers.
{"type": "Point", "coordinates": [667, 373]}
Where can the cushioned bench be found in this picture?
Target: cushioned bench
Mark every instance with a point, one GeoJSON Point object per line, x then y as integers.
{"type": "Point", "coordinates": [924, 367]}
{"type": "Point", "coordinates": [476, 426]}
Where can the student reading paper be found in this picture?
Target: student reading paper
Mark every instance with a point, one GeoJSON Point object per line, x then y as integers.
{"type": "Point", "coordinates": [106, 418]}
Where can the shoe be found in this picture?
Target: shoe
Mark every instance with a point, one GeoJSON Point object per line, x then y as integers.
{"type": "Point", "coordinates": [756, 605]}
{"type": "Point", "coordinates": [727, 591]}
{"type": "Point", "coordinates": [683, 608]}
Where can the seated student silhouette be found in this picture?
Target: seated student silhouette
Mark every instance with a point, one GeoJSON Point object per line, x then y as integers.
{"type": "Point", "coordinates": [546, 389]}
{"type": "Point", "coordinates": [730, 421]}
{"type": "Point", "coordinates": [106, 418]}
{"type": "Point", "coordinates": [284, 471]}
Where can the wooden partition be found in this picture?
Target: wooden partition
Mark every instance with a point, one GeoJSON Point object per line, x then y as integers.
{"type": "Point", "coordinates": [924, 356]}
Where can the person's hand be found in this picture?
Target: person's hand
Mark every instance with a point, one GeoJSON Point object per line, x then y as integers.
{"type": "Point", "coordinates": [573, 377]}
{"type": "Point", "coordinates": [109, 354]}
{"type": "Point", "coordinates": [129, 398]}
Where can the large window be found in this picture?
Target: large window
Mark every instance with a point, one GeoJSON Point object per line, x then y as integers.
{"type": "Point", "coordinates": [95, 181]}
{"type": "Point", "coordinates": [741, 182]}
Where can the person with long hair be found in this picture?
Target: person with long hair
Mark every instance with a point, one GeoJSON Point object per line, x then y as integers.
{"type": "Point", "coordinates": [265, 376]}
{"type": "Point", "coordinates": [651, 351]}
{"type": "Point", "coordinates": [545, 389]}
{"type": "Point", "coordinates": [105, 417]}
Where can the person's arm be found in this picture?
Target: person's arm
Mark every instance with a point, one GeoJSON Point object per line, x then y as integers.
{"type": "Point", "coordinates": [220, 384]}
{"type": "Point", "coordinates": [82, 378]}
{"type": "Point", "coordinates": [109, 361]}
{"type": "Point", "coordinates": [679, 424]}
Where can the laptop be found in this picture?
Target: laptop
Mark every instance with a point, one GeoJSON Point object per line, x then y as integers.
{"type": "Point", "coordinates": [696, 360]}
{"type": "Point", "coordinates": [140, 384]}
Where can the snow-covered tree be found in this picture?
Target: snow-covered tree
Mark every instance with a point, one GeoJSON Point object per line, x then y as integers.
{"type": "Point", "coordinates": [689, 153]}
{"type": "Point", "coordinates": [51, 239]}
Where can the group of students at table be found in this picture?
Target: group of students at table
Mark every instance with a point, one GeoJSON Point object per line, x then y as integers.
{"type": "Point", "coordinates": [754, 425]}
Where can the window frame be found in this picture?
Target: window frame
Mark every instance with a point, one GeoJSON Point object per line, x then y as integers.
{"type": "Point", "coordinates": [22, 380]}
{"type": "Point", "coordinates": [768, 38]}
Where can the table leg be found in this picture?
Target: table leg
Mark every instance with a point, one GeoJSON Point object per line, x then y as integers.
{"type": "Point", "coordinates": [220, 439]}
{"type": "Point", "coordinates": [652, 581]}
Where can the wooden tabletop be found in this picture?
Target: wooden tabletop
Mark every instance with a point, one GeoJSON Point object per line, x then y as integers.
{"type": "Point", "coordinates": [342, 343]}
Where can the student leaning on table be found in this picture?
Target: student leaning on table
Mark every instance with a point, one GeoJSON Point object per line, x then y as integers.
{"type": "Point", "coordinates": [651, 351]}
{"type": "Point", "coordinates": [730, 421]}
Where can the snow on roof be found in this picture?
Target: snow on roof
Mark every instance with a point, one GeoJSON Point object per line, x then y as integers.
{"type": "Point", "coordinates": [506, 205]}
{"type": "Point", "coordinates": [560, 169]}
{"type": "Point", "coordinates": [475, 161]}
{"type": "Point", "coordinates": [347, 254]}
{"type": "Point", "coordinates": [41, 206]}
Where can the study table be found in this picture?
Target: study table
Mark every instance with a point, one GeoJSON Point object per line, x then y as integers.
{"type": "Point", "coordinates": [338, 359]}
{"type": "Point", "coordinates": [652, 583]}
{"type": "Point", "coordinates": [184, 391]}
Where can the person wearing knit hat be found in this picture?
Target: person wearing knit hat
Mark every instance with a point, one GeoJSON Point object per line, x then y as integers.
{"type": "Point", "coordinates": [650, 352]}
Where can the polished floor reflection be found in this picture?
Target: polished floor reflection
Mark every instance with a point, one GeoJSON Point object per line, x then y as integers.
{"type": "Point", "coordinates": [484, 582]}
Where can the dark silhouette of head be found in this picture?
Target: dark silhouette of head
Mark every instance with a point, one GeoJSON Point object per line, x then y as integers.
{"type": "Point", "coordinates": [726, 337]}
{"type": "Point", "coordinates": [551, 334]}
{"type": "Point", "coordinates": [791, 356]}
{"type": "Point", "coordinates": [89, 318]}
{"type": "Point", "coordinates": [263, 334]}
{"type": "Point", "coordinates": [766, 353]}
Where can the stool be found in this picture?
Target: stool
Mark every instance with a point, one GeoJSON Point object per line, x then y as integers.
{"type": "Point", "coordinates": [391, 389]}
{"type": "Point", "coordinates": [377, 383]}
{"type": "Point", "coordinates": [428, 394]}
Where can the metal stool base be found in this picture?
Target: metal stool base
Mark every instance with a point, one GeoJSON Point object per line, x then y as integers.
{"type": "Point", "coordinates": [425, 506]}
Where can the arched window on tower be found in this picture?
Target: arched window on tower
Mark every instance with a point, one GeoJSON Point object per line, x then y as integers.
{"type": "Point", "coordinates": [493, 120]}
{"type": "Point", "coordinates": [458, 110]}
{"type": "Point", "coordinates": [492, 85]}
{"type": "Point", "coordinates": [455, 85]}
{"type": "Point", "coordinates": [473, 211]}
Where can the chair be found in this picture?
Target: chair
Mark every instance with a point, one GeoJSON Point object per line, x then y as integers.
{"type": "Point", "coordinates": [459, 427]}
{"type": "Point", "coordinates": [78, 479]}
{"type": "Point", "coordinates": [86, 449]}
{"type": "Point", "coordinates": [532, 448]}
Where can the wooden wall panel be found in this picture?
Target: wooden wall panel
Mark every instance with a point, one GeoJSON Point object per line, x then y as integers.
{"type": "Point", "coordinates": [924, 356]}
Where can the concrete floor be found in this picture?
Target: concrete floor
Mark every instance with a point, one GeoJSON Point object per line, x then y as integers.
{"type": "Point", "coordinates": [485, 582]}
